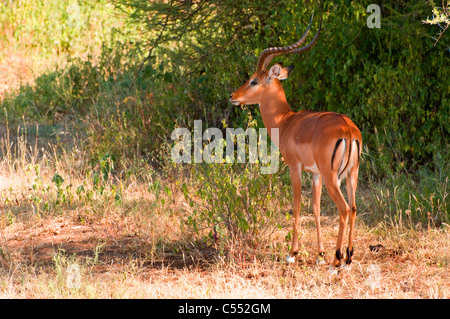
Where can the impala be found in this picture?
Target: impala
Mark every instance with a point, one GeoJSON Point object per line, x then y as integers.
{"type": "Point", "coordinates": [326, 144]}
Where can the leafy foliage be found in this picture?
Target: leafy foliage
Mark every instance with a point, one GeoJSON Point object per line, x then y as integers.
{"type": "Point", "coordinates": [391, 78]}
{"type": "Point", "coordinates": [441, 17]}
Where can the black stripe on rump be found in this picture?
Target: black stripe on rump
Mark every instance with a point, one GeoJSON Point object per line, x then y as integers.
{"type": "Point", "coordinates": [357, 144]}
{"type": "Point", "coordinates": [334, 152]}
{"type": "Point", "coordinates": [348, 160]}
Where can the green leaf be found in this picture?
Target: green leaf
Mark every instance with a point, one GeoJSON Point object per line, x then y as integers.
{"type": "Point", "coordinates": [58, 180]}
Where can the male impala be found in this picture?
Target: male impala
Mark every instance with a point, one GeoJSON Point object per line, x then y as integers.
{"type": "Point", "coordinates": [326, 144]}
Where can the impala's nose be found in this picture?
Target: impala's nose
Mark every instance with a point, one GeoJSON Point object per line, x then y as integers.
{"type": "Point", "coordinates": [233, 101]}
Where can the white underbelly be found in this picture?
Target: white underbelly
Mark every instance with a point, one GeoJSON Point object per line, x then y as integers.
{"type": "Point", "coordinates": [313, 169]}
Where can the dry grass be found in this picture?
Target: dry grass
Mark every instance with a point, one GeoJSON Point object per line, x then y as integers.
{"type": "Point", "coordinates": [115, 263]}
{"type": "Point", "coordinates": [136, 249]}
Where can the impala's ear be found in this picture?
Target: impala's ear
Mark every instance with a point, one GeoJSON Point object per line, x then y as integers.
{"type": "Point", "coordinates": [278, 72]}
{"type": "Point", "coordinates": [285, 72]}
{"type": "Point", "coordinates": [275, 71]}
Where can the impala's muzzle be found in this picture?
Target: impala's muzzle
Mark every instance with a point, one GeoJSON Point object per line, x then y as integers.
{"type": "Point", "coordinates": [234, 101]}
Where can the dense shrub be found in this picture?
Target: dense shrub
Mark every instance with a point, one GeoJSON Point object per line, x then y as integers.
{"type": "Point", "coordinates": [390, 79]}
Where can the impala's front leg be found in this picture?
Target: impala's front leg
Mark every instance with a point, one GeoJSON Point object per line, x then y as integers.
{"type": "Point", "coordinates": [296, 203]}
{"type": "Point", "coordinates": [316, 193]}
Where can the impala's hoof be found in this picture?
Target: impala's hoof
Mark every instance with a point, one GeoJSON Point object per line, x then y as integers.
{"type": "Point", "coordinates": [290, 259]}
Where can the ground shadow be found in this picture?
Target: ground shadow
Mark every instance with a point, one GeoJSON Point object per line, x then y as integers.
{"type": "Point", "coordinates": [100, 245]}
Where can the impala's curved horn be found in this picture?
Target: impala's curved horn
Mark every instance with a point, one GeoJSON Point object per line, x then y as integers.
{"type": "Point", "coordinates": [268, 54]}
{"type": "Point", "coordinates": [310, 44]}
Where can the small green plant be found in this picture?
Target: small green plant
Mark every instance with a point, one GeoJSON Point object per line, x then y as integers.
{"type": "Point", "coordinates": [39, 194]}
{"type": "Point", "coordinates": [107, 162]}
{"type": "Point", "coordinates": [102, 180]}
{"type": "Point", "coordinates": [63, 195]}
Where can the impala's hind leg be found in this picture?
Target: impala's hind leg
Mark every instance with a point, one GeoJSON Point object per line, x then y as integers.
{"type": "Point", "coordinates": [344, 210]}
{"type": "Point", "coordinates": [352, 180]}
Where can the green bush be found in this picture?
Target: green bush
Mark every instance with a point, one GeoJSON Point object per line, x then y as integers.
{"type": "Point", "coordinates": [389, 78]}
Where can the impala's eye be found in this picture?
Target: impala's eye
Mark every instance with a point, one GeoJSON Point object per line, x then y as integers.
{"type": "Point", "coordinates": [254, 82]}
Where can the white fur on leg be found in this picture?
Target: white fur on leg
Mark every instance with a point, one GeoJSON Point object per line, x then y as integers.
{"type": "Point", "coordinates": [290, 259]}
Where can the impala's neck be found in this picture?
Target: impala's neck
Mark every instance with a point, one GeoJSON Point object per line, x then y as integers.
{"type": "Point", "coordinates": [275, 108]}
